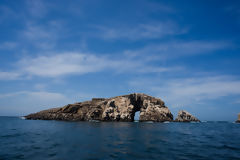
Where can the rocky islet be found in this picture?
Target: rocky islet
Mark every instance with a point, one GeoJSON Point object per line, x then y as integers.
{"type": "Point", "coordinates": [120, 108]}
{"type": "Point", "coordinates": [184, 116]}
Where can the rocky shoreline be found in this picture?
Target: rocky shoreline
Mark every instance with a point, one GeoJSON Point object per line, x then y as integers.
{"type": "Point", "coordinates": [120, 108]}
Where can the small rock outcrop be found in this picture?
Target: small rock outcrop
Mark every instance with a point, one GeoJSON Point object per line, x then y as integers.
{"type": "Point", "coordinates": [238, 120]}
{"type": "Point", "coordinates": [120, 108]}
{"type": "Point", "coordinates": [184, 116]}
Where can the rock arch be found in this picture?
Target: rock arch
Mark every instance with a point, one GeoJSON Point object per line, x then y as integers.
{"type": "Point", "coordinates": [120, 108]}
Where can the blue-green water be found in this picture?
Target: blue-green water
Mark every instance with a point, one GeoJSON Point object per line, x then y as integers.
{"type": "Point", "coordinates": [57, 140]}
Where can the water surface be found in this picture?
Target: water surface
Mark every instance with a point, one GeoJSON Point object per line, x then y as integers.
{"type": "Point", "coordinates": [58, 140]}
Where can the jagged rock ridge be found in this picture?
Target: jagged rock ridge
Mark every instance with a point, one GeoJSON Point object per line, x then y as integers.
{"type": "Point", "coordinates": [120, 108]}
{"type": "Point", "coordinates": [184, 116]}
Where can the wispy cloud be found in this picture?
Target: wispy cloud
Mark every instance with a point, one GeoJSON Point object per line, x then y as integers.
{"type": "Point", "coordinates": [234, 11]}
{"type": "Point", "coordinates": [34, 32]}
{"type": "Point", "coordinates": [43, 37]}
{"type": "Point", "coordinates": [9, 75]}
{"type": "Point", "coordinates": [5, 13]}
{"type": "Point", "coordinates": [138, 61]}
{"type": "Point", "coordinates": [189, 91]}
{"type": "Point", "coordinates": [79, 63]}
{"type": "Point", "coordinates": [237, 101]}
{"type": "Point", "coordinates": [40, 95]}
{"type": "Point", "coordinates": [167, 50]}
{"type": "Point", "coordinates": [159, 7]}
{"type": "Point", "coordinates": [62, 64]}
{"type": "Point", "coordinates": [155, 30]}
{"type": "Point", "coordinates": [132, 61]}
{"type": "Point", "coordinates": [75, 63]}
{"type": "Point", "coordinates": [36, 8]}
{"type": "Point", "coordinates": [8, 45]}
{"type": "Point", "coordinates": [26, 102]}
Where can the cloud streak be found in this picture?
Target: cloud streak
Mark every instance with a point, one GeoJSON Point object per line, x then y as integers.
{"type": "Point", "coordinates": [43, 37]}
{"type": "Point", "coordinates": [8, 45]}
{"type": "Point", "coordinates": [62, 64]}
{"type": "Point", "coordinates": [132, 61]}
{"type": "Point", "coordinates": [75, 63]}
{"type": "Point", "coordinates": [26, 102]}
{"type": "Point", "coordinates": [155, 30]}
{"type": "Point", "coordinates": [189, 91]}
{"type": "Point", "coordinates": [169, 50]}
{"type": "Point", "coordinates": [9, 75]}
{"type": "Point", "coordinates": [37, 8]}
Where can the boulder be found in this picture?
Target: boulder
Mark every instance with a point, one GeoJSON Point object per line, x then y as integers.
{"type": "Point", "coordinates": [184, 116]}
{"type": "Point", "coordinates": [120, 108]}
{"type": "Point", "coordinates": [238, 120]}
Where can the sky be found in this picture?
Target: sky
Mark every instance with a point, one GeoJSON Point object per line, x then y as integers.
{"type": "Point", "coordinates": [58, 52]}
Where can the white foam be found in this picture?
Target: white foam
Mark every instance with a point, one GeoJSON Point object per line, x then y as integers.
{"type": "Point", "coordinates": [148, 122]}
{"type": "Point", "coordinates": [94, 121]}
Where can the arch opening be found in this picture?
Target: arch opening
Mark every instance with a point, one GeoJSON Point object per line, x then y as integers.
{"type": "Point", "coordinates": [136, 116]}
{"type": "Point", "coordinates": [137, 102]}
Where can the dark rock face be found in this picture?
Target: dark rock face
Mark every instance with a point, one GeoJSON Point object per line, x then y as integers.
{"type": "Point", "coordinates": [184, 116]}
{"type": "Point", "coordinates": [120, 108]}
{"type": "Point", "coordinates": [238, 120]}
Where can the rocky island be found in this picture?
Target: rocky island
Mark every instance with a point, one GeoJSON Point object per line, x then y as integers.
{"type": "Point", "coordinates": [184, 116]}
{"type": "Point", "coordinates": [238, 120]}
{"type": "Point", "coordinates": [120, 108]}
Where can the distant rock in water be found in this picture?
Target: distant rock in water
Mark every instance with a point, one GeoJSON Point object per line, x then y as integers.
{"type": "Point", "coordinates": [120, 108]}
{"type": "Point", "coordinates": [184, 116]}
{"type": "Point", "coordinates": [238, 120]}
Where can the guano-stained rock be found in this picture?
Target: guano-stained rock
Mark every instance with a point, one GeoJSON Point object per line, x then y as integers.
{"type": "Point", "coordinates": [184, 116]}
{"type": "Point", "coordinates": [120, 108]}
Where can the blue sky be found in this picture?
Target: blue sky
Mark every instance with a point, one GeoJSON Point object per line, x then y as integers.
{"type": "Point", "coordinates": [185, 52]}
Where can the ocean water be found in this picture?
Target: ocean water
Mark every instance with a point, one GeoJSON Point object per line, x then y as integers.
{"type": "Point", "coordinates": [58, 140]}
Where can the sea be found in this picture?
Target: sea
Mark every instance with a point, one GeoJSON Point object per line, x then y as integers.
{"type": "Point", "coordinates": [60, 140]}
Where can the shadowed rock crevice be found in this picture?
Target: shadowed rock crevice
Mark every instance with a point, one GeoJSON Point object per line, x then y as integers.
{"type": "Point", "coordinates": [120, 108]}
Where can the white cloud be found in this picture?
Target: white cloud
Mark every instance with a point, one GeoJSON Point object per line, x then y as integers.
{"type": "Point", "coordinates": [9, 75]}
{"type": "Point", "coordinates": [237, 101]}
{"type": "Point", "coordinates": [132, 61]}
{"type": "Point", "coordinates": [168, 50]}
{"type": "Point", "coordinates": [40, 86]}
{"type": "Point", "coordinates": [62, 64]}
{"type": "Point", "coordinates": [136, 61]}
{"type": "Point", "coordinates": [37, 8]}
{"type": "Point", "coordinates": [46, 96]}
{"type": "Point", "coordinates": [141, 31]}
{"type": "Point", "coordinates": [80, 63]}
{"type": "Point", "coordinates": [186, 91]}
{"type": "Point", "coordinates": [26, 102]}
{"type": "Point", "coordinates": [44, 37]}
{"type": "Point", "coordinates": [8, 45]}
{"type": "Point", "coordinates": [34, 32]}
